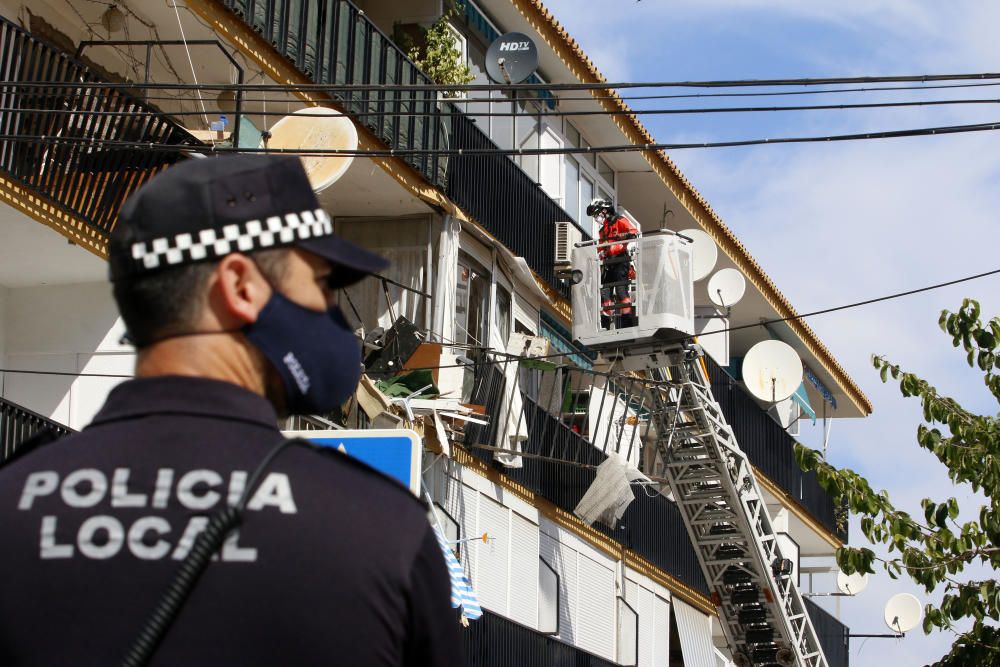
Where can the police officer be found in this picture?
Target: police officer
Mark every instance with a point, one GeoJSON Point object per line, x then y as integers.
{"type": "Point", "coordinates": [224, 272]}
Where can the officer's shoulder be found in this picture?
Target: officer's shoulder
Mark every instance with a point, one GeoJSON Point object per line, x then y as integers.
{"type": "Point", "coordinates": [361, 471]}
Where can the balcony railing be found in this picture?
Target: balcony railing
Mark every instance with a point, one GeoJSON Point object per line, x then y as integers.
{"type": "Point", "coordinates": [771, 449]}
{"type": "Point", "coordinates": [333, 42]}
{"type": "Point", "coordinates": [495, 641]}
{"type": "Point", "coordinates": [17, 424]}
{"type": "Point", "coordinates": [559, 464]}
{"type": "Point", "coordinates": [832, 634]}
{"type": "Point", "coordinates": [70, 166]}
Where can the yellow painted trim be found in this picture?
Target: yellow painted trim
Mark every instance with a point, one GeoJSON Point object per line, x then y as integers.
{"type": "Point", "coordinates": [574, 525]}
{"type": "Point", "coordinates": [793, 506]}
{"type": "Point", "coordinates": [47, 212]}
{"type": "Point", "coordinates": [548, 28]}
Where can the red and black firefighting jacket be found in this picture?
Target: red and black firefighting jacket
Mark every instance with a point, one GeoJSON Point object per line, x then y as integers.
{"type": "Point", "coordinates": [620, 228]}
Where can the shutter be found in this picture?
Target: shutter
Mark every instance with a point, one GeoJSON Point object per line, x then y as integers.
{"type": "Point", "coordinates": [695, 631]}
{"type": "Point", "coordinates": [493, 558]}
{"type": "Point", "coordinates": [647, 627]}
{"type": "Point", "coordinates": [661, 632]}
{"type": "Point", "coordinates": [596, 607]}
{"type": "Point", "coordinates": [563, 561]}
{"type": "Point", "coordinates": [524, 571]}
{"type": "Point", "coordinates": [463, 504]}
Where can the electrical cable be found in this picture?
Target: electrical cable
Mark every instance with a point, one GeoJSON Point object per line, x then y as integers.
{"type": "Point", "coordinates": [483, 114]}
{"type": "Point", "coordinates": [590, 98]}
{"type": "Point", "coordinates": [432, 87]}
{"type": "Point", "coordinates": [485, 152]}
{"type": "Point", "coordinates": [514, 357]}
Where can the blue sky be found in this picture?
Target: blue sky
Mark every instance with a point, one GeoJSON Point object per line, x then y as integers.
{"type": "Point", "coordinates": [837, 223]}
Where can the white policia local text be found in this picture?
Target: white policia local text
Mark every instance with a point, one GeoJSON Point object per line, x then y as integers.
{"type": "Point", "coordinates": [152, 537]}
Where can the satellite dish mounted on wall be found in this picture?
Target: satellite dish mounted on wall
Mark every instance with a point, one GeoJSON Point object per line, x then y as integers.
{"type": "Point", "coordinates": [703, 253]}
{"type": "Point", "coordinates": [319, 128]}
{"type": "Point", "coordinates": [772, 370]}
{"type": "Point", "coordinates": [726, 288]}
{"type": "Point", "coordinates": [511, 58]}
{"type": "Point", "coordinates": [902, 612]}
{"type": "Point", "coordinates": [852, 584]}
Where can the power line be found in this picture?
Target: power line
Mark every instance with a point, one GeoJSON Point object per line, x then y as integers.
{"type": "Point", "coordinates": [431, 87]}
{"type": "Point", "coordinates": [472, 113]}
{"type": "Point", "coordinates": [586, 98]}
{"type": "Point", "coordinates": [484, 152]}
{"type": "Point", "coordinates": [512, 357]}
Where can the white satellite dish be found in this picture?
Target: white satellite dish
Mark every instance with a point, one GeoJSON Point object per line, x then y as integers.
{"type": "Point", "coordinates": [703, 253]}
{"type": "Point", "coordinates": [772, 370]}
{"type": "Point", "coordinates": [852, 584]}
{"type": "Point", "coordinates": [902, 612]}
{"type": "Point", "coordinates": [315, 128]}
{"type": "Point", "coordinates": [726, 287]}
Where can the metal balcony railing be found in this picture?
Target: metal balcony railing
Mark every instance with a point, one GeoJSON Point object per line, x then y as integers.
{"type": "Point", "coordinates": [333, 42]}
{"type": "Point", "coordinates": [832, 634]}
{"type": "Point", "coordinates": [495, 641]}
{"type": "Point", "coordinates": [71, 167]}
{"type": "Point", "coordinates": [17, 424]}
{"type": "Point", "coordinates": [771, 449]}
{"type": "Point", "coordinates": [559, 463]}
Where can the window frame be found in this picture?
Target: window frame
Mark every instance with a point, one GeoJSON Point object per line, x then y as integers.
{"type": "Point", "coordinates": [635, 614]}
{"type": "Point", "coordinates": [542, 563]}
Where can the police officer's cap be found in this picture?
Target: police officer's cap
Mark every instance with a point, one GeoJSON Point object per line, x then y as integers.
{"type": "Point", "coordinates": [202, 210]}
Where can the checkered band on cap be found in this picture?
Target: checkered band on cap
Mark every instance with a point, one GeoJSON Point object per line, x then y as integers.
{"type": "Point", "coordinates": [208, 244]}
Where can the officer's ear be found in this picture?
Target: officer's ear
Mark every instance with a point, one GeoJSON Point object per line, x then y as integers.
{"type": "Point", "coordinates": [239, 290]}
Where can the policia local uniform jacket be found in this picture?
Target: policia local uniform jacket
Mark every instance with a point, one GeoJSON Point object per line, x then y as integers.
{"type": "Point", "coordinates": [333, 564]}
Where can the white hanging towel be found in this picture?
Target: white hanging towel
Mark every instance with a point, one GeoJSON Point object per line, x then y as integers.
{"type": "Point", "coordinates": [512, 425]}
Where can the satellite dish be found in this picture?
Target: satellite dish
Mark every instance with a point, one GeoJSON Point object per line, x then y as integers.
{"type": "Point", "coordinates": [511, 58]}
{"type": "Point", "coordinates": [852, 584]}
{"type": "Point", "coordinates": [703, 253]}
{"type": "Point", "coordinates": [772, 370]}
{"type": "Point", "coordinates": [317, 128]}
{"type": "Point", "coordinates": [902, 612]}
{"type": "Point", "coordinates": [726, 287]}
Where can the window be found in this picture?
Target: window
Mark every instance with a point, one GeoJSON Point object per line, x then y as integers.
{"type": "Point", "coordinates": [585, 176]}
{"type": "Point", "coordinates": [628, 634]}
{"type": "Point", "coordinates": [548, 598]}
{"type": "Point", "coordinates": [472, 302]}
{"type": "Point", "coordinates": [572, 189]}
{"type": "Point", "coordinates": [605, 171]}
{"type": "Point", "coordinates": [451, 529]}
{"type": "Point", "coordinates": [503, 315]}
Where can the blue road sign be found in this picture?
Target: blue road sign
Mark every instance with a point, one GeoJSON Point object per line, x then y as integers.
{"type": "Point", "coordinates": [395, 452]}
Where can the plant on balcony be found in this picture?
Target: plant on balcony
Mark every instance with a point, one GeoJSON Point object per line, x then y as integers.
{"type": "Point", "coordinates": [438, 55]}
{"type": "Point", "coordinates": [936, 551]}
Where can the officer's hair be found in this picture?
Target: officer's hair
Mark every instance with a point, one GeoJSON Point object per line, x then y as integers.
{"type": "Point", "coordinates": [170, 302]}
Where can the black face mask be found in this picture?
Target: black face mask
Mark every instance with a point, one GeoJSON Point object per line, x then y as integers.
{"type": "Point", "coordinates": [316, 354]}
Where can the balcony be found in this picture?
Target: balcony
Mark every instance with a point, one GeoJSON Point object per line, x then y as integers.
{"type": "Point", "coordinates": [92, 164]}
{"type": "Point", "coordinates": [832, 634]}
{"type": "Point", "coordinates": [497, 641]}
{"type": "Point", "coordinates": [558, 464]}
{"type": "Point", "coordinates": [333, 42]}
{"type": "Point", "coordinates": [771, 449]}
{"type": "Point", "coordinates": [17, 424]}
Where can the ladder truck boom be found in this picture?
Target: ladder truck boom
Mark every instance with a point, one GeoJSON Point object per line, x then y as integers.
{"type": "Point", "coordinates": [712, 480]}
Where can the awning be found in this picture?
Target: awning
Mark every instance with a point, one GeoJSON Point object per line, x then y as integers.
{"type": "Point", "coordinates": [802, 399]}
{"type": "Point", "coordinates": [695, 632]}
{"type": "Point", "coordinates": [561, 339]}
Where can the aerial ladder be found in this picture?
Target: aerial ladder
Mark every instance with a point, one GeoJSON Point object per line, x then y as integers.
{"type": "Point", "coordinates": [712, 481]}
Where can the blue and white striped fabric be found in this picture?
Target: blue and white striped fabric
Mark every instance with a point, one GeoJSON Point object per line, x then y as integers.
{"type": "Point", "coordinates": [462, 594]}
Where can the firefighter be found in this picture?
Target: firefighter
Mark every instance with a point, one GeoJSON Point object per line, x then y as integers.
{"type": "Point", "coordinates": [617, 272]}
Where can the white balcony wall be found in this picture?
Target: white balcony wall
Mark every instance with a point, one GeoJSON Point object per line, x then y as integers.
{"type": "Point", "coordinates": [69, 329]}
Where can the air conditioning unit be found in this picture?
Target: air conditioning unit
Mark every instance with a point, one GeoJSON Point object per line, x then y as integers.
{"type": "Point", "coordinates": [567, 236]}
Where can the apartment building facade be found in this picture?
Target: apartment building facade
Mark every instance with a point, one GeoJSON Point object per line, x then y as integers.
{"type": "Point", "coordinates": [473, 240]}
